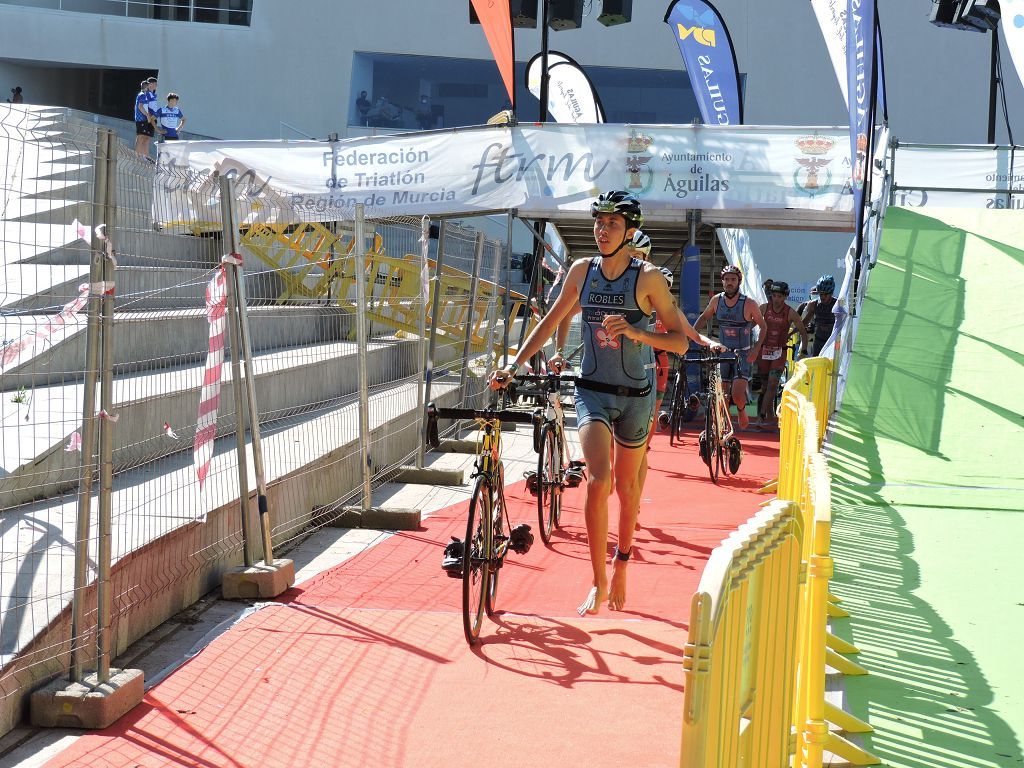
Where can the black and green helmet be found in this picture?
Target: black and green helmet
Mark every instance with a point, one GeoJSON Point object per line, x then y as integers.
{"type": "Point", "coordinates": [622, 203]}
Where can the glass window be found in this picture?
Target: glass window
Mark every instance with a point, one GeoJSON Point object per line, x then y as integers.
{"type": "Point", "coordinates": [468, 91]}
{"type": "Point", "coordinates": [235, 12]}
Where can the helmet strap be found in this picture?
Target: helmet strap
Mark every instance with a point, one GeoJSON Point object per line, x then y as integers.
{"type": "Point", "coordinates": [619, 248]}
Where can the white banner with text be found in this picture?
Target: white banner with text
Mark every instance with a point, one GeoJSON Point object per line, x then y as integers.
{"type": "Point", "coordinates": [541, 170]}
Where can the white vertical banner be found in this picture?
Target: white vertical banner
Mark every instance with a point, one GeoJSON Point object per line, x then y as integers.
{"type": "Point", "coordinates": [1011, 26]}
{"type": "Point", "coordinates": [831, 16]}
{"type": "Point", "coordinates": [572, 98]}
{"type": "Point", "coordinates": [736, 247]}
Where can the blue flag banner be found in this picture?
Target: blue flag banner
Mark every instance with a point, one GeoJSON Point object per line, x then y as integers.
{"type": "Point", "coordinates": [707, 51]}
{"type": "Point", "coordinates": [860, 73]}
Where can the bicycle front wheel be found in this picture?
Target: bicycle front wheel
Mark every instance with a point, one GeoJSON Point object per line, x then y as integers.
{"type": "Point", "coordinates": [476, 559]}
{"type": "Point", "coordinates": [548, 482]}
{"type": "Point", "coordinates": [712, 435]}
{"type": "Point", "coordinates": [499, 542]}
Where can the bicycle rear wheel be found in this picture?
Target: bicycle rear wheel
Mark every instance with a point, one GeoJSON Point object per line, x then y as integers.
{"type": "Point", "coordinates": [549, 494]}
{"type": "Point", "coordinates": [678, 405]}
{"type": "Point", "coordinates": [476, 563]}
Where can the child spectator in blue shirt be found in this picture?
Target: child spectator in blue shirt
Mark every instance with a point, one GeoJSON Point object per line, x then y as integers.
{"type": "Point", "coordinates": [170, 120]}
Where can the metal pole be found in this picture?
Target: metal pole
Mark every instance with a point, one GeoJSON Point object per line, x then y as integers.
{"type": "Point", "coordinates": [435, 308]}
{"type": "Point", "coordinates": [359, 251]}
{"type": "Point", "coordinates": [492, 310]}
{"type": "Point", "coordinates": [424, 291]}
{"type": "Point", "coordinates": [474, 287]}
{"type": "Point", "coordinates": [993, 86]}
{"type": "Point", "coordinates": [92, 368]}
{"type": "Point", "coordinates": [227, 192]}
{"type": "Point", "coordinates": [507, 307]}
{"type": "Point", "coordinates": [245, 345]}
{"type": "Point", "coordinates": [544, 63]}
{"type": "Point", "coordinates": [103, 553]}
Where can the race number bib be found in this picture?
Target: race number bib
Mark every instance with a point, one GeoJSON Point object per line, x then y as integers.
{"type": "Point", "coordinates": [771, 354]}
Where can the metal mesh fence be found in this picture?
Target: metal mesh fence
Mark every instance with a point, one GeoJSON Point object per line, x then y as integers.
{"type": "Point", "coordinates": [428, 332]}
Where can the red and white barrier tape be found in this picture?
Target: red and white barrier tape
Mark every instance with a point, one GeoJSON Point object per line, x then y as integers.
{"type": "Point", "coordinates": [12, 353]}
{"type": "Point", "coordinates": [209, 397]}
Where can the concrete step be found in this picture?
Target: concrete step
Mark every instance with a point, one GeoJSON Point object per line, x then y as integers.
{"type": "Point", "coordinates": [46, 288]}
{"type": "Point", "coordinates": [35, 434]}
{"type": "Point", "coordinates": [141, 247]}
{"type": "Point", "coordinates": [162, 337]}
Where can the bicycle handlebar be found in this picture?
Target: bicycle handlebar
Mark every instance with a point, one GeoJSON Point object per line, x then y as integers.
{"type": "Point", "coordinates": [722, 357]}
{"type": "Point", "coordinates": [545, 376]}
{"type": "Point", "coordinates": [490, 414]}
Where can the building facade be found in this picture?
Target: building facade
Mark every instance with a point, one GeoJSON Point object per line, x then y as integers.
{"type": "Point", "coordinates": [296, 68]}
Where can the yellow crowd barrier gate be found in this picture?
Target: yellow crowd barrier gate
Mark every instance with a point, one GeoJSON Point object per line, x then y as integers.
{"type": "Point", "coordinates": [758, 640]}
{"type": "Point", "coordinates": [739, 689]}
{"type": "Point", "coordinates": [314, 263]}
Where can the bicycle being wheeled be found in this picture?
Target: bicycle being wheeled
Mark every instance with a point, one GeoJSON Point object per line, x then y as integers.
{"type": "Point", "coordinates": [719, 447]}
{"type": "Point", "coordinates": [685, 403]}
{"type": "Point", "coordinates": [555, 471]}
{"type": "Point", "coordinates": [478, 558]}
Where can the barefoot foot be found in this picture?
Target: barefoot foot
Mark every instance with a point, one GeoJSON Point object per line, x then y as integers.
{"type": "Point", "coordinates": [592, 604]}
{"type": "Point", "coordinates": [617, 588]}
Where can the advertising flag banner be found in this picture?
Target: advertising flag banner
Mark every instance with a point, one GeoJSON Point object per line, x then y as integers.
{"type": "Point", "coordinates": [572, 97]}
{"type": "Point", "coordinates": [707, 51]}
{"type": "Point", "coordinates": [831, 15]}
{"type": "Point", "coordinates": [496, 19]}
{"type": "Point", "coordinates": [860, 70]}
{"type": "Point", "coordinates": [1011, 27]}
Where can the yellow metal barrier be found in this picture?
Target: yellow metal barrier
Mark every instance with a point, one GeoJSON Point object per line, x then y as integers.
{"type": "Point", "coordinates": [312, 262]}
{"type": "Point", "coordinates": [759, 617]}
{"type": "Point", "coordinates": [741, 644]}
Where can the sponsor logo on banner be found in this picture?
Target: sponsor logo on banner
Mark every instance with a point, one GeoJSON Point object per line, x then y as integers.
{"type": "Point", "coordinates": [813, 175]}
{"type": "Point", "coordinates": [641, 177]}
{"type": "Point", "coordinates": [700, 35]}
{"type": "Point", "coordinates": [703, 21]}
{"type": "Point", "coordinates": [707, 52]}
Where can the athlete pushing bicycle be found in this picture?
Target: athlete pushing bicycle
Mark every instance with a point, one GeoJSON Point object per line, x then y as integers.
{"type": "Point", "coordinates": [616, 294]}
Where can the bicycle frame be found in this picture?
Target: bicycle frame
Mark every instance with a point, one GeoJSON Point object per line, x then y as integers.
{"type": "Point", "coordinates": [717, 399]}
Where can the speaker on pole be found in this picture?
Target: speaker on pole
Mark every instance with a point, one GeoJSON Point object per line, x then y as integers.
{"type": "Point", "coordinates": [565, 14]}
{"type": "Point", "coordinates": [524, 13]}
{"type": "Point", "coordinates": [945, 12]}
{"type": "Point", "coordinates": [616, 12]}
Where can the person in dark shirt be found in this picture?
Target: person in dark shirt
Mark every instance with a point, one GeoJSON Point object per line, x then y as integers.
{"type": "Point", "coordinates": [362, 107]}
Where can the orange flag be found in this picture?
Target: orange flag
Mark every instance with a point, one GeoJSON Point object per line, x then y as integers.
{"type": "Point", "coordinates": [496, 19]}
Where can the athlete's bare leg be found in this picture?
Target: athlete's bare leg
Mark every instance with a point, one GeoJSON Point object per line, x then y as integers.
{"type": "Point", "coordinates": [596, 443]}
{"type": "Point", "coordinates": [627, 484]}
{"type": "Point", "coordinates": [739, 397]}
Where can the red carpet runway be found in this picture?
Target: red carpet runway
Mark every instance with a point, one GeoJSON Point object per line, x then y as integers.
{"type": "Point", "coordinates": [366, 664]}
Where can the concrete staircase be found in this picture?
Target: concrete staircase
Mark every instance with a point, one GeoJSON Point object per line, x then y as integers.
{"type": "Point", "coordinates": [171, 540]}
